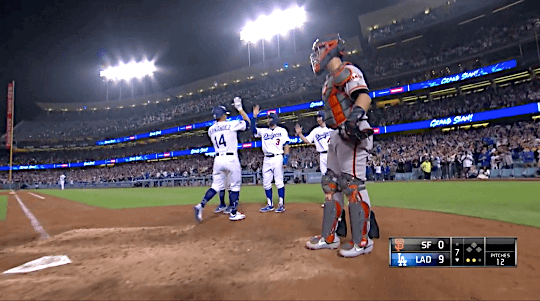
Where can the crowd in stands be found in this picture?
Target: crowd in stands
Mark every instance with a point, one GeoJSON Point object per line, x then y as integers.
{"type": "Point", "coordinates": [305, 158]}
{"type": "Point", "coordinates": [293, 81]}
{"type": "Point", "coordinates": [100, 125]}
{"type": "Point", "coordinates": [457, 154]}
{"type": "Point", "coordinates": [453, 154]}
{"type": "Point", "coordinates": [429, 16]}
{"type": "Point", "coordinates": [489, 99]}
{"type": "Point", "coordinates": [483, 39]}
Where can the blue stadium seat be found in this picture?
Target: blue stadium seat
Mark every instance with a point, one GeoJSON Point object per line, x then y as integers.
{"type": "Point", "coordinates": [530, 172]}
{"type": "Point", "coordinates": [518, 172]}
{"type": "Point", "coordinates": [506, 173]}
{"type": "Point", "coordinates": [495, 173]}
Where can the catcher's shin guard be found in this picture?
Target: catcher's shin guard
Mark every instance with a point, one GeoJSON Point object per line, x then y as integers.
{"type": "Point", "coordinates": [359, 206]}
{"type": "Point", "coordinates": [333, 205]}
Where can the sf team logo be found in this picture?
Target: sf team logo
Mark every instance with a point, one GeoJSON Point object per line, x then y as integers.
{"type": "Point", "coordinates": [399, 244]}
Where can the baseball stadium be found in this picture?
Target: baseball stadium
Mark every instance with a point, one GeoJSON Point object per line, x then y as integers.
{"type": "Point", "coordinates": [270, 150]}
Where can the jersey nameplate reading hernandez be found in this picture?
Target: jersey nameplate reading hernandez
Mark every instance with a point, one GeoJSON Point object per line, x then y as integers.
{"type": "Point", "coordinates": [224, 137]}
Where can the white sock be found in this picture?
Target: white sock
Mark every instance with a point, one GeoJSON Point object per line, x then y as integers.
{"type": "Point", "coordinates": [281, 201]}
{"type": "Point", "coordinates": [270, 203]}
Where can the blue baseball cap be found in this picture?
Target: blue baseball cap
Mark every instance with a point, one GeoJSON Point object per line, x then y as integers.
{"type": "Point", "coordinates": [321, 114]}
{"type": "Point", "coordinates": [217, 112]}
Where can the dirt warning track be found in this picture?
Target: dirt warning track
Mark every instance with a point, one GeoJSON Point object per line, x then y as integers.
{"type": "Point", "coordinates": [161, 253]}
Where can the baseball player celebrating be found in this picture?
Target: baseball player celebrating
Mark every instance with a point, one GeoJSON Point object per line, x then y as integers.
{"type": "Point", "coordinates": [275, 146]}
{"type": "Point", "coordinates": [318, 136]}
{"type": "Point", "coordinates": [224, 137]}
{"type": "Point", "coordinates": [62, 181]}
{"type": "Point", "coordinates": [346, 98]}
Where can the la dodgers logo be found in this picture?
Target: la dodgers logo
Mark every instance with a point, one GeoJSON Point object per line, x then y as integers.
{"type": "Point", "coordinates": [322, 136]}
{"type": "Point", "coordinates": [271, 136]}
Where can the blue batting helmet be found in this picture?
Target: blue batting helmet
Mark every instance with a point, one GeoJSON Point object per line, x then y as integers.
{"type": "Point", "coordinates": [321, 114]}
{"type": "Point", "coordinates": [274, 118]}
{"type": "Point", "coordinates": [217, 112]}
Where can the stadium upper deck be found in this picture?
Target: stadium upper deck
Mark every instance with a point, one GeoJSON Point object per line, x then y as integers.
{"type": "Point", "coordinates": [296, 84]}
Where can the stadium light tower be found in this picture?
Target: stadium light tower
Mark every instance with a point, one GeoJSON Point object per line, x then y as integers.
{"type": "Point", "coordinates": [128, 72]}
{"type": "Point", "coordinates": [277, 23]}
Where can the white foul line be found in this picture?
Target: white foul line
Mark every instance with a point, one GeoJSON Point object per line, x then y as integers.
{"type": "Point", "coordinates": [33, 220]}
{"type": "Point", "coordinates": [37, 196]}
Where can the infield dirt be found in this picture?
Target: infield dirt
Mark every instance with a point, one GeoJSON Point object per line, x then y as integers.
{"type": "Point", "coordinates": [161, 253]}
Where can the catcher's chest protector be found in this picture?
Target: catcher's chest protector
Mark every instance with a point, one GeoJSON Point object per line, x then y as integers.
{"type": "Point", "coordinates": [337, 104]}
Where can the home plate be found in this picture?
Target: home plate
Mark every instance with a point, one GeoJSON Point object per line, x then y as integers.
{"type": "Point", "coordinates": [39, 264]}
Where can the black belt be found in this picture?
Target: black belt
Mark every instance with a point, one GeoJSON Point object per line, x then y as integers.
{"type": "Point", "coordinates": [325, 152]}
{"type": "Point", "coordinates": [225, 154]}
{"type": "Point", "coordinates": [272, 155]}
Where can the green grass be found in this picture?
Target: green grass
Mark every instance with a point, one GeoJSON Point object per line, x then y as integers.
{"type": "Point", "coordinates": [512, 201]}
{"type": "Point", "coordinates": [3, 207]}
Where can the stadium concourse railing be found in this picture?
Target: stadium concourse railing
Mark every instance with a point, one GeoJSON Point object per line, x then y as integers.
{"type": "Point", "coordinates": [290, 177]}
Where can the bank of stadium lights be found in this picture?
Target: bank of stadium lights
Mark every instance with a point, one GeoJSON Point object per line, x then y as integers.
{"type": "Point", "coordinates": [279, 22]}
{"type": "Point", "coordinates": [128, 72]}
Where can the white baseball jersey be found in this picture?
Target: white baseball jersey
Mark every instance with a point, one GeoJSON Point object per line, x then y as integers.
{"type": "Point", "coordinates": [320, 136]}
{"type": "Point", "coordinates": [273, 141]}
{"type": "Point", "coordinates": [227, 171]}
{"type": "Point", "coordinates": [224, 137]}
{"type": "Point", "coordinates": [62, 179]}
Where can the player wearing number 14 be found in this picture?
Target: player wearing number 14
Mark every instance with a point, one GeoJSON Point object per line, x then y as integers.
{"type": "Point", "coordinates": [224, 136]}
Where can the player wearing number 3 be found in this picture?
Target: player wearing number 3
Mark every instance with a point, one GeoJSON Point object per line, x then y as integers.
{"type": "Point", "coordinates": [275, 146]}
{"type": "Point", "coordinates": [224, 137]}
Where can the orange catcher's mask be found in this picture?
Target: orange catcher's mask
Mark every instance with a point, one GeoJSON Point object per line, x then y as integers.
{"type": "Point", "coordinates": [323, 52]}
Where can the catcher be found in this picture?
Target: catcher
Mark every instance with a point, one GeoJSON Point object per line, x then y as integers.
{"type": "Point", "coordinates": [346, 98]}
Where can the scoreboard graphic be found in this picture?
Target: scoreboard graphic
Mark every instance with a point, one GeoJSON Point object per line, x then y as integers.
{"type": "Point", "coordinates": [453, 252]}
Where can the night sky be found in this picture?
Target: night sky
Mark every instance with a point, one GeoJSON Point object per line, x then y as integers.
{"type": "Point", "coordinates": [54, 50]}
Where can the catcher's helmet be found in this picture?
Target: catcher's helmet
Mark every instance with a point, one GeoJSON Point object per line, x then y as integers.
{"type": "Point", "coordinates": [323, 52]}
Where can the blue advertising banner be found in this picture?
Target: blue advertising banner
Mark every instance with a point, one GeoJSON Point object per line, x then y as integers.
{"type": "Point", "coordinates": [461, 119]}
{"type": "Point", "coordinates": [447, 79]}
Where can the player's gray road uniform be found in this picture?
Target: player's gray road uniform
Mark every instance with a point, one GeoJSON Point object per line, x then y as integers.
{"type": "Point", "coordinates": [347, 160]}
{"type": "Point", "coordinates": [346, 156]}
